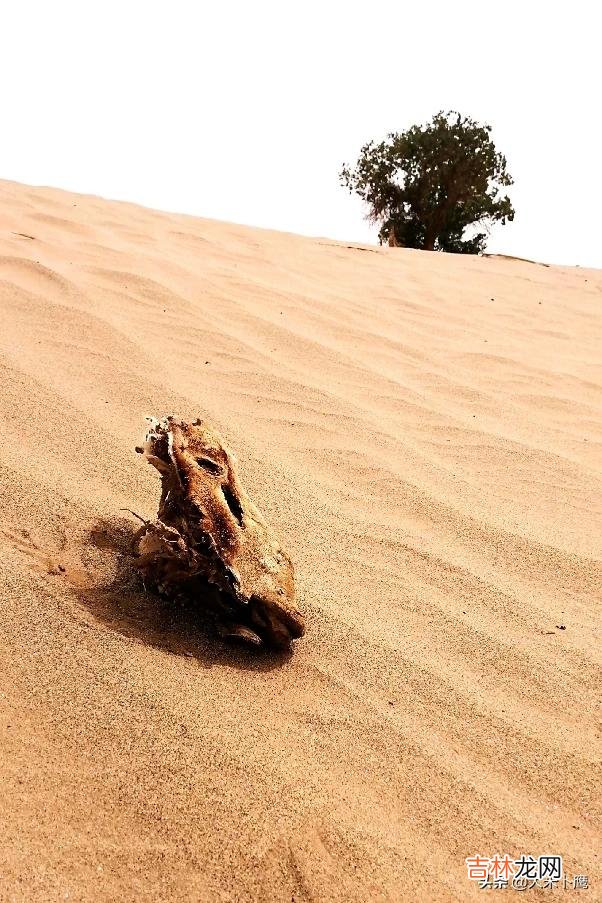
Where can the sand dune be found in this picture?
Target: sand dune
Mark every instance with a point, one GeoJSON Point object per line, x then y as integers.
{"type": "Point", "coordinates": [424, 432]}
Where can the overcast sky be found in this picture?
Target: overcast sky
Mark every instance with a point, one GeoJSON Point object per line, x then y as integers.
{"type": "Point", "coordinates": [245, 111]}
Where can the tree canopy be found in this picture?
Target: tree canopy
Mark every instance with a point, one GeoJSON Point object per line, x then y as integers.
{"type": "Point", "coordinates": [427, 186]}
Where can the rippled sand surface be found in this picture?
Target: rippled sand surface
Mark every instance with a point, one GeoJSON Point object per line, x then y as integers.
{"type": "Point", "coordinates": [424, 432]}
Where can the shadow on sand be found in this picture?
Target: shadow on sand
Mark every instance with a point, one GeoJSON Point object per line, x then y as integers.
{"type": "Point", "coordinates": [179, 629]}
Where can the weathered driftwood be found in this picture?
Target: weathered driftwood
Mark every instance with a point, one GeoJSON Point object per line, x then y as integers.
{"type": "Point", "coordinates": [210, 543]}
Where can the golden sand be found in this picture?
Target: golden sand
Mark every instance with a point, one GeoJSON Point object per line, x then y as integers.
{"type": "Point", "coordinates": [424, 433]}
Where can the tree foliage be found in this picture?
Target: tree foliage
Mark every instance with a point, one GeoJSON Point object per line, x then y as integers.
{"type": "Point", "coordinates": [427, 186]}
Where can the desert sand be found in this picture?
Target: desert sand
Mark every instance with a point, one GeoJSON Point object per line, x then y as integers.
{"type": "Point", "coordinates": [423, 432]}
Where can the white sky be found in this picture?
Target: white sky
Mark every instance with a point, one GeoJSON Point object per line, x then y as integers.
{"type": "Point", "coordinates": [245, 111]}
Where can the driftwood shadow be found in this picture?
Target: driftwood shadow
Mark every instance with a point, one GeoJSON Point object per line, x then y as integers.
{"type": "Point", "coordinates": [180, 629]}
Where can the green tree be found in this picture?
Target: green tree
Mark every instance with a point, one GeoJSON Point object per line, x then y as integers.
{"type": "Point", "coordinates": [425, 187]}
